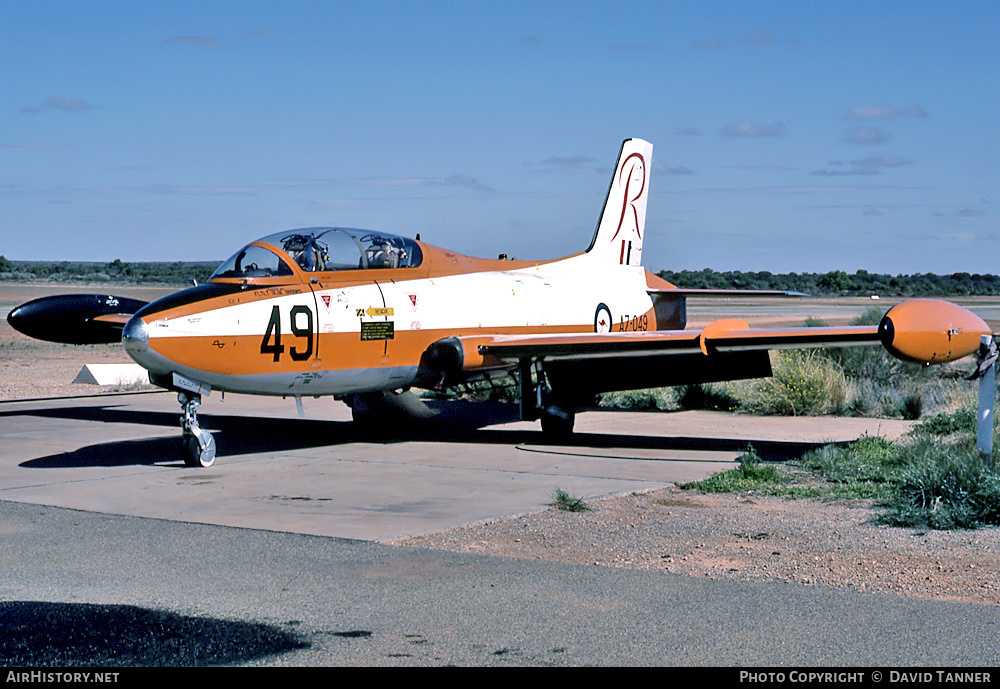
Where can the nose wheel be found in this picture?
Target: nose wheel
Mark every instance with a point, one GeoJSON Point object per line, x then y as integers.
{"type": "Point", "coordinates": [199, 445]}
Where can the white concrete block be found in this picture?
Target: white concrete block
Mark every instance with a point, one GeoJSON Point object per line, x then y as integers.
{"type": "Point", "coordinates": [112, 374]}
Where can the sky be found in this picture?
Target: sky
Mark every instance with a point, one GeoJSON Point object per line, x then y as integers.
{"type": "Point", "coordinates": [787, 136]}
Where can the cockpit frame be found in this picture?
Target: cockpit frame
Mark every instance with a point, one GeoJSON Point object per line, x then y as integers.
{"type": "Point", "coordinates": [318, 251]}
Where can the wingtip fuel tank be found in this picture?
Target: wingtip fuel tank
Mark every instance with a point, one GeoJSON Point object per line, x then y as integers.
{"type": "Point", "coordinates": [931, 331]}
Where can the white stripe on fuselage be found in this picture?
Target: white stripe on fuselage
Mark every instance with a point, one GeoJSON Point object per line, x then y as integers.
{"type": "Point", "coordinates": [557, 295]}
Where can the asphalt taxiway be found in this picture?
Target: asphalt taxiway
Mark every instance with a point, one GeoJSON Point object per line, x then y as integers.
{"type": "Point", "coordinates": [96, 508]}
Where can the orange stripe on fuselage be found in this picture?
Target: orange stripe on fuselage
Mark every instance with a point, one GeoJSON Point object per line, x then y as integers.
{"type": "Point", "coordinates": [241, 355]}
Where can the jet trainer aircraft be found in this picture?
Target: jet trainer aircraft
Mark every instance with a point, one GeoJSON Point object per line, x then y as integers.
{"type": "Point", "coordinates": [363, 316]}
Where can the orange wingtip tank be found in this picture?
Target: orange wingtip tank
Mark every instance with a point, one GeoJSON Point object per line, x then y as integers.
{"type": "Point", "coordinates": [931, 331]}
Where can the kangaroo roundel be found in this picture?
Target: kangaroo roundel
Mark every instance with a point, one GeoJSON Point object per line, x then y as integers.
{"type": "Point", "coordinates": [602, 319]}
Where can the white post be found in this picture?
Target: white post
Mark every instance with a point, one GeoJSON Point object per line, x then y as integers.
{"type": "Point", "coordinates": [984, 424]}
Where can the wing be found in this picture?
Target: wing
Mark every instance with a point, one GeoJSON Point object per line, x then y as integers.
{"type": "Point", "coordinates": [721, 336]}
{"type": "Point", "coordinates": [581, 364]}
{"type": "Point", "coordinates": [927, 331]}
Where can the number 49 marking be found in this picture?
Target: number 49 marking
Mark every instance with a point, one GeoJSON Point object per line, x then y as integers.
{"type": "Point", "coordinates": [274, 329]}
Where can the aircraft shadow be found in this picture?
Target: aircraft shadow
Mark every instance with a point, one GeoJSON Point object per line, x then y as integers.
{"type": "Point", "coordinates": [456, 423]}
{"type": "Point", "coordinates": [55, 634]}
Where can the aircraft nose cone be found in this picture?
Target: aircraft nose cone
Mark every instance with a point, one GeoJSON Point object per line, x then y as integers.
{"type": "Point", "coordinates": [33, 320]}
{"type": "Point", "coordinates": [135, 336]}
{"type": "Point", "coordinates": [16, 319]}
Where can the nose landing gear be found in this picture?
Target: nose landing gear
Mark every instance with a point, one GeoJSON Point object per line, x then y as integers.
{"type": "Point", "coordinates": [199, 445]}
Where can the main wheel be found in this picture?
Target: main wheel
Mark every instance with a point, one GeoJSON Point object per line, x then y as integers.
{"type": "Point", "coordinates": [557, 423]}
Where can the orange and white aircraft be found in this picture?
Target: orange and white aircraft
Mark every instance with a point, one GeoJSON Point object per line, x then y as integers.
{"type": "Point", "coordinates": [364, 316]}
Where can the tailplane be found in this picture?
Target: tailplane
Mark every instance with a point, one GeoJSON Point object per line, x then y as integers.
{"type": "Point", "coordinates": [622, 226]}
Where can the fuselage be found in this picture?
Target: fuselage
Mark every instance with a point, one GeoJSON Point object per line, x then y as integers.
{"type": "Point", "coordinates": [362, 328]}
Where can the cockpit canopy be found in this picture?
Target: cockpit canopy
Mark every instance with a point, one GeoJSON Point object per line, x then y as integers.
{"type": "Point", "coordinates": [321, 249]}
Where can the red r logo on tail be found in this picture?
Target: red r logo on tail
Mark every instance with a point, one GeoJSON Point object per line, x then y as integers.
{"type": "Point", "coordinates": [638, 165]}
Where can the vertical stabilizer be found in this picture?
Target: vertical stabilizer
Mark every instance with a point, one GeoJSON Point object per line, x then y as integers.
{"type": "Point", "coordinates": [622, 226]}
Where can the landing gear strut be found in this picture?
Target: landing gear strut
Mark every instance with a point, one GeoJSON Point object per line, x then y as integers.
{"type": "Point", "coordinates": [537, 402]}
{"type": "Point", "coordinates": [199, 445]}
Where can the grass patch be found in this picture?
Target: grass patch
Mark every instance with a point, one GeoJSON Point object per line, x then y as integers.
{"type": "Point", "coordinates": [562, 500]}
{"type": "Point", "coordinates": [751, 474]}
{"type": "Point", "coordinates": [865, 468]}
{"type": "Point", "coordinates": [933, 478]}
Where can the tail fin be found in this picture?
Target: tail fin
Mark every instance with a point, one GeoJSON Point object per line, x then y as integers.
{"type": "Point", "coordinates": [620, 231]}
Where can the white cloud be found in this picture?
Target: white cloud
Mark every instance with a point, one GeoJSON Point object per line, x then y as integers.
{"type": "Point", "coordinates": [758, 38]}
{"type": "Point", "coordinates": [881, 161]}
{"type": "Point", "coordinates": [668, 170]}
{"type": "Point", "coordinates": [204, 41]}
{"type": "Point", "coordinates": [748, 130]}
{"type": "Point", "coordinates": [67, 104]}
{"type": "Point", "coordinates": [60, 103]}
{"type": "Point", "coordinates": [568, 161]}
{"type": "Point", "coordinates": [878, 112]}
{"type": "Point", "coordinates": [866, 136]}
{"type": "Point", "coordinates": [840, 173]}
{"type": "Point", "coordinates": [456, 180]}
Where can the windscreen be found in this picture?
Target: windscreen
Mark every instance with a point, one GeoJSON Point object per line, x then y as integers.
{"type": "Point", "coordinates": [330, 249]}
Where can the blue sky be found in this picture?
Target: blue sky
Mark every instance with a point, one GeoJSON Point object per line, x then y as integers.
{"type": "Point", "coordinates": [788, 136]}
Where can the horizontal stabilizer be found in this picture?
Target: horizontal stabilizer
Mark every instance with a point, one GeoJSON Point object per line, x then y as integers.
{"type": "Point", "coordinates": [726, 292]}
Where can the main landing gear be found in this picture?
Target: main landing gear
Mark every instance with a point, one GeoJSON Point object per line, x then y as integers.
{"type": "Point", "coordinates": [538, 402]}
{"type": "Point", "coordinates": [199, 445]}
{"type": "Point", "coordinates": [556, 421]}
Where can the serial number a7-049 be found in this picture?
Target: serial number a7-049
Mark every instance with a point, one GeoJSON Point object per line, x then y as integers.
{"type": "Point", "coordinates": [633, 323]}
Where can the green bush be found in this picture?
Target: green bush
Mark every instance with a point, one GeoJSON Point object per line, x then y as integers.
{"type": "Point", "coordinates": [944, 487]}
{"type": "Point", "coordinates": [707, 396]}
{"type": "Point", "coordinates": [802, 383]}
{"type": "Point", "coordinates": [960, 421]}
{"type": "Point", "coordinates": [648, 399]}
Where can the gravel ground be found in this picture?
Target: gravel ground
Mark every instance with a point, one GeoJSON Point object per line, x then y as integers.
{"type": "Point", "coordinates": [745, 537]}
{"type": "Point", "coordinates": [748, 537]}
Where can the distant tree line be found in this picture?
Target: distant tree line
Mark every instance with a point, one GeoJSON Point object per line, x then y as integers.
{"type": "Point", "coordinates": [835, 282]}
{"type": "Point", "coordinates": [178, 272]}
{"type": "Point", "coordinates": [838, 282]}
